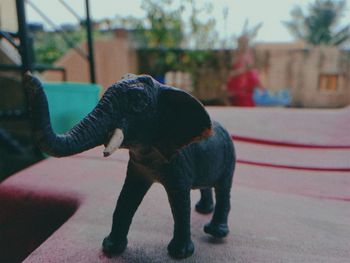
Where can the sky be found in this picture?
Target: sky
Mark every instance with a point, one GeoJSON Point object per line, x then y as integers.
{"type": "Point", "coordinates": [270, 12]}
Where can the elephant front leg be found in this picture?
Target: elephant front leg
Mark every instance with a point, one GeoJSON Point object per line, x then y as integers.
{"type": "Point", "coordinates": [181, 246]}
{"type": "Point", "coordinates": [134, 189]}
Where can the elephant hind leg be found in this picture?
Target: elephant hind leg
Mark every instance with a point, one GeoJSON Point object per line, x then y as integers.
{"type": "Point", "coordinates": [206, 204]}
{"type": "Point", "coordinates": [218, 226]}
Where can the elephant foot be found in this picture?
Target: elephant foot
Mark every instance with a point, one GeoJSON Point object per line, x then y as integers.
{"type": "Point", "coordinates": [113, 247]}
{"type": "Point", "coordinates": [180, 249]}
{"type": "Point", "coordinates": [216, 230]}
{"type": "Point", "coordinates": [204, 207]}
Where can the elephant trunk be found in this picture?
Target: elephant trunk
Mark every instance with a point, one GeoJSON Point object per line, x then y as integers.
{"type": "Point", "coordinates": [92, 131]}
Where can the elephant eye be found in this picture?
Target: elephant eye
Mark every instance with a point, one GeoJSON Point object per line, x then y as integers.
{"type": "Point", "coordinates": [138, 99]}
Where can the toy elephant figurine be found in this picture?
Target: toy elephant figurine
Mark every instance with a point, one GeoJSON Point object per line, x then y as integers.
{"type": "Point", "coordinates": [171, 140]}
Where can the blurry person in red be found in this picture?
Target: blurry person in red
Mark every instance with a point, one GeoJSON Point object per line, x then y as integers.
{"type": "Point", "coordinates": [243, 77]}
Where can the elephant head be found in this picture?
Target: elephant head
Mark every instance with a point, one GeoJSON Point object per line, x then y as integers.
{"type": "Point", "coordinates": [136, 110]}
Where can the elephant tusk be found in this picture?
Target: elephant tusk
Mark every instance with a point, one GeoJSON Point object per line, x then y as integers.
{"type": "Point", "coordinates": [114, 143]}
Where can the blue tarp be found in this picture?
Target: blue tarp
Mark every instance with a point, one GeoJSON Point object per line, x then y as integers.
{"type": "Point", "coordinates": [268, 98]}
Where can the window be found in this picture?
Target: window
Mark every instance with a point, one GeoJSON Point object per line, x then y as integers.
{"type": "Point", "coordinates": [328, 82]}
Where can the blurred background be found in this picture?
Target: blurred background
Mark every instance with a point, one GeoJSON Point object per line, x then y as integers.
{"type": "Point", "coordinates": [272, 53]}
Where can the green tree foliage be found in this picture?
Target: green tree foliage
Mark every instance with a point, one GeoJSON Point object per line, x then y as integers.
{"type": "Point", "coordinates": [163, 26]}
{"type": "Point", "coordinates": [202, 34]}
{"type": "Point", "coordinates": [321, 24]}
{"type": "Point", "coordinates": [168, 27]}
{"type": "Point", "coordinates": [172, 24]}
{"type": "Point", "coordinates": [49, 46]}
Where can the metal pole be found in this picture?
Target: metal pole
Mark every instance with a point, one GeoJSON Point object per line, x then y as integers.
{"type": "Point", "coordinates": [65, 37]}
{"type": "Point", "coordinates": [71, 10]}
{"type": "Point", "coordinates": [23, 36]}
{"type": "Point", "coordinates": [90, 43]}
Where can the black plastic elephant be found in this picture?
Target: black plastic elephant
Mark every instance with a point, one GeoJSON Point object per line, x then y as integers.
{"type": "Point", "coordinates": [171, 140]}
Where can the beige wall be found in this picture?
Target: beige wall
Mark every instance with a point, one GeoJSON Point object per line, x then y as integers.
{"type": "Point", "coordinates": [113, 58]}
{"type": "Point", "coordinates": [300, 71]}
{"type": "Point", "coordinates": [292, 66]}
{"type": "Point", "coordinates": [8, 15]}
{"type": "Point", "coordinates": [8, 22]}
{"type": "Point", "coordinates": [320, 61]}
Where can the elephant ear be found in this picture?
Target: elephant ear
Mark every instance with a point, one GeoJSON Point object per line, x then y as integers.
{"type": "Point", "coordinates": [183, 119]}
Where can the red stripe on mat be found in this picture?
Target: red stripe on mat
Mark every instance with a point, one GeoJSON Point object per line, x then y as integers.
{"type": "Point", "coordinates": [287, 144]}
{"type": "Point", "coordinates": [319, 169]}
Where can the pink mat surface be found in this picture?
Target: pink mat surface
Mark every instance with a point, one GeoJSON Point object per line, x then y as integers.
{"type": "Point", "coordinates": [301, 158]}
{"type": "Point", "coordinates": [278, 215]}
{"type": "Point", "coordinates": [295, 126]}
